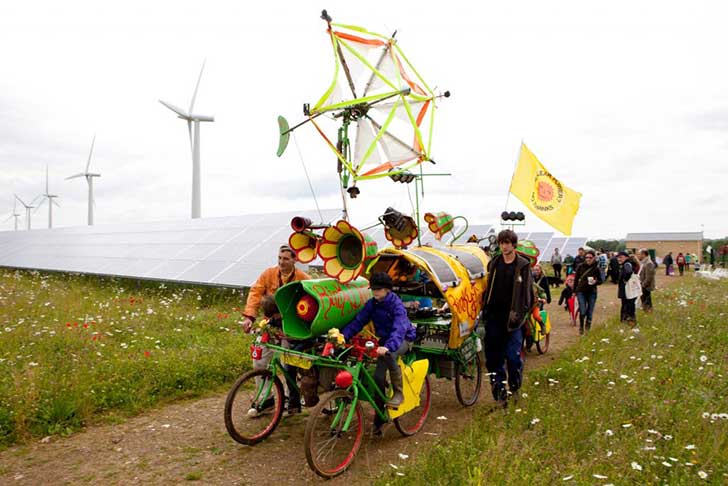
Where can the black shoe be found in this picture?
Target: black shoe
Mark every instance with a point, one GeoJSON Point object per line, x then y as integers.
{"type": "Point", "coordinates": [293, 408]}
{"type": "Point", "coordinates": [377, 427]}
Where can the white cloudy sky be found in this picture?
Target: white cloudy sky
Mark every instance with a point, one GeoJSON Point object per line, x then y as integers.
{"type": "Point", "coordinates": [626, 102]}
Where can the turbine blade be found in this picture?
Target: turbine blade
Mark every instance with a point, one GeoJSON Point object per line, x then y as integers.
{"type": "Point", "coordinates": [21, 201]}
{"type": "Point", "coordinates": [175, 109]}
{"type": "Point", "coordinates": [194, 95]}
{"type": "Point", "coordinates": [36, 198]}
{"type": "Point", "coordinates": [46, 178]}
{"type": "Point", "coordinates": [76, 175]}
{"type": "Point", "coordinates": [90, 152]}
{"type": "Point", "coordinates": [39, 206]}
{"type": "Point", "coordinates": [8, 219]}
{"type": "Point", "coordinates": [56, 203]}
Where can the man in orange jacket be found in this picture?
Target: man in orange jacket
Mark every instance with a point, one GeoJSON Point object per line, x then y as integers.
{"type": "Point", "coordinates": [270, 280]}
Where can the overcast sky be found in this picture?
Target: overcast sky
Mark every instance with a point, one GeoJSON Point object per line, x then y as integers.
{"type": "Point", "coordinates": [625, 102]}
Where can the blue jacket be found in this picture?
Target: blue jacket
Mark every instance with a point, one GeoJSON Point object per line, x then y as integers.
{"type": "Point", "coordinates": [391, 324]}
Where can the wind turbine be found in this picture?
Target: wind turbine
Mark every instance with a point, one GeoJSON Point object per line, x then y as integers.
{"type": "Point", "coordinates": [28, 207]}
{"type": "Point", "coordinates": [48, 197]}
{"type": "Point", "coordinates": [194, 142]}
{"type": "Point", "coordinates": [15, 214]}
{"type": "Point", "coordinates": [90, 179]}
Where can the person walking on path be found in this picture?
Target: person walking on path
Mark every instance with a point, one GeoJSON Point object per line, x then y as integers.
{"type": "Point", "coordinates": [569, 262]}
{"type": "Point", "coordinates": [627, 311]}
{"type": "Point", "coordinates": [688, 260]}
{"type": "Point", "coordinates": [556, 262]}
{"type": "Point", "coordinates": [647, 279]}
{"type": "Point", "coordinates": [579, 258]}
{"type": "Point", "coordinates": [506, 305]}
{"type": "Point", "coordinates": [588, 276]}
{"type": "Point", "coordinates": [668, 263]}
{"type": "Point", "coordinates": [680, 261]}
{"type": "Point", "coordinates": [614, 268]}
{"type": "Point", "coordinates": [543, 282]}
{"type": "Point", "coordinates": [603, 263]}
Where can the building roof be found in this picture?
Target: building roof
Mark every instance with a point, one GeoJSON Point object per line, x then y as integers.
{"type": "Point", "coordinates": [684, 236]}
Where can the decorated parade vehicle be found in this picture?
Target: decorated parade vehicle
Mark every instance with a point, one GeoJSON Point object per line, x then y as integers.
{"type": "Point", "coordinates": [384, 116]}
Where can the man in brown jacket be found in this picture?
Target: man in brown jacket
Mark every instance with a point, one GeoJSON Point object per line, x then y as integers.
{"type": "Point", "coordinates": [270, 280]}
{"type": "Point", "coordinates": [647, 279]}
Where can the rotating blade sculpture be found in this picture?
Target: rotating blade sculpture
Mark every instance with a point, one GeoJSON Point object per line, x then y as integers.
{"type": "Point", "coordinates": [383, 108]}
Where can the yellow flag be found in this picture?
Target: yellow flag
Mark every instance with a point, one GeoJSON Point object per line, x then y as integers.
{"type": "Point", "coordinates": [543, 193]}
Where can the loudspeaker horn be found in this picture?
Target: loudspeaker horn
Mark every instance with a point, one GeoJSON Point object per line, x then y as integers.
{"type": "Point", "coordinates": [345, 251]}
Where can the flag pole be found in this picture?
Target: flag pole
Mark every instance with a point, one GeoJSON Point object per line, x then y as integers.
{"type": "Point", "coordinates": [515, 164]}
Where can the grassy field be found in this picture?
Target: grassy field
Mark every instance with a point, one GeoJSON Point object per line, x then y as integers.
{"type": "Point", "coordinates": [648, 406]}
{"type": "Point", "coordinates": [74, 346]}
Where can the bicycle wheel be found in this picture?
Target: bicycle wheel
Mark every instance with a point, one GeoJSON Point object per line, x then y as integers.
{"type": "Point", "coordinates": [468, 381]}
{"type": "Point", "coordinates": [254, 407]}
{"type": "Point", "coordinates": [411, 422]}
{"type": "Point", "coordinates": [543, 345]}
{"type": "Point", "coordinates": [329, 449]}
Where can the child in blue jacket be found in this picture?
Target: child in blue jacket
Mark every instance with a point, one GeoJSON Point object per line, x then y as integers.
{"type": "Point", "coordinates": [394, 330]}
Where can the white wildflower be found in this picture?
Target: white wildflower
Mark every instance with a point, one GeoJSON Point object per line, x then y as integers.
{"type": "Point", "coordinates": [702, 474]}
{"type": "Point", "coordinates": [636, 466]}
{"type": "Point", "coordinates": [403, 456]}
{"type": "Point", "coordinates": [608, 433]}
{"type": "Point", "coordinates": [666, 464]}
{"type": "Point", "coordinates": [690, 447]}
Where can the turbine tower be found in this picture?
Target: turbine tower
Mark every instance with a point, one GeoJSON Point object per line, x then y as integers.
{"type": "Point", "coordinates": [50, 198]}
{"type": "Point", "coordinates": [194, 142]}
{"type": "Point", "coordinates": [90, 179]}
{"type": "Point", "coordinates": [15, 214]}
{"type": "Point", "coordinates": [28, 207]}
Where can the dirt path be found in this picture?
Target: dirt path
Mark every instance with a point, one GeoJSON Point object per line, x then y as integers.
{"type": "Point", "coordinates": [188, 440]}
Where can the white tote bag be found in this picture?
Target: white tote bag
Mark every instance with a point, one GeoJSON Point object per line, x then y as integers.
{"type": "Point", "coordinates": [633, 287]}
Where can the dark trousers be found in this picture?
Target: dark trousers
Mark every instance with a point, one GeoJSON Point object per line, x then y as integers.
{"type": "Point", "coordinates": [646, 299]}
{"type": "Point", "coordinates": [627, 312]}
{"type": "Point", "coordinates": [503, 348]}
{"type": "Point", "coordinates": [681, 268]}
{"type": "Point", "coordinates": [557, 270]}
{"type": "Point", "coordinates": [587, 302]}
{"type": "Point", "coordinates": [383, 365]}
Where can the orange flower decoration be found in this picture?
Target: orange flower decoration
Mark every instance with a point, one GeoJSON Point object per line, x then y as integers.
{"type": "Point", "coordinates": [305, 245]}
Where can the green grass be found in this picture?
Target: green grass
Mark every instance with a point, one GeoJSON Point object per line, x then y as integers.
{"type": "Point", "coordinates": [72, 346]}
{"type": "Point", "coordinates": [621, 407]}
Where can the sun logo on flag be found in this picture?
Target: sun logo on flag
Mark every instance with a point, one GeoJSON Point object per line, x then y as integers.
{"type": "Point", "coordinates": [548, 192]}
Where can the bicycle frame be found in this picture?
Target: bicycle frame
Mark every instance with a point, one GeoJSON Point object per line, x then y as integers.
{"type": "Point", "coordinates": [363, 386]}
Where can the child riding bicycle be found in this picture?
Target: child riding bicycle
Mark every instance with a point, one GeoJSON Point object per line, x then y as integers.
{"type": "Point", "coordinates": [395, 332]}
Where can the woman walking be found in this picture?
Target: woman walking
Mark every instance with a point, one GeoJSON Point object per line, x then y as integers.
{"type": "Point", "coordinates": [629, 267]}
{"type": "Point", "coordinates": [680, 260]}
{"type": "Point", "coordinates": [588, 276]}
{"type": "Point", "coordinates": [556, 263]}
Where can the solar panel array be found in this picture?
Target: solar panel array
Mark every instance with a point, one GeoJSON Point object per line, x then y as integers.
{"type": "Point", "coordinates": [215, 251]}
